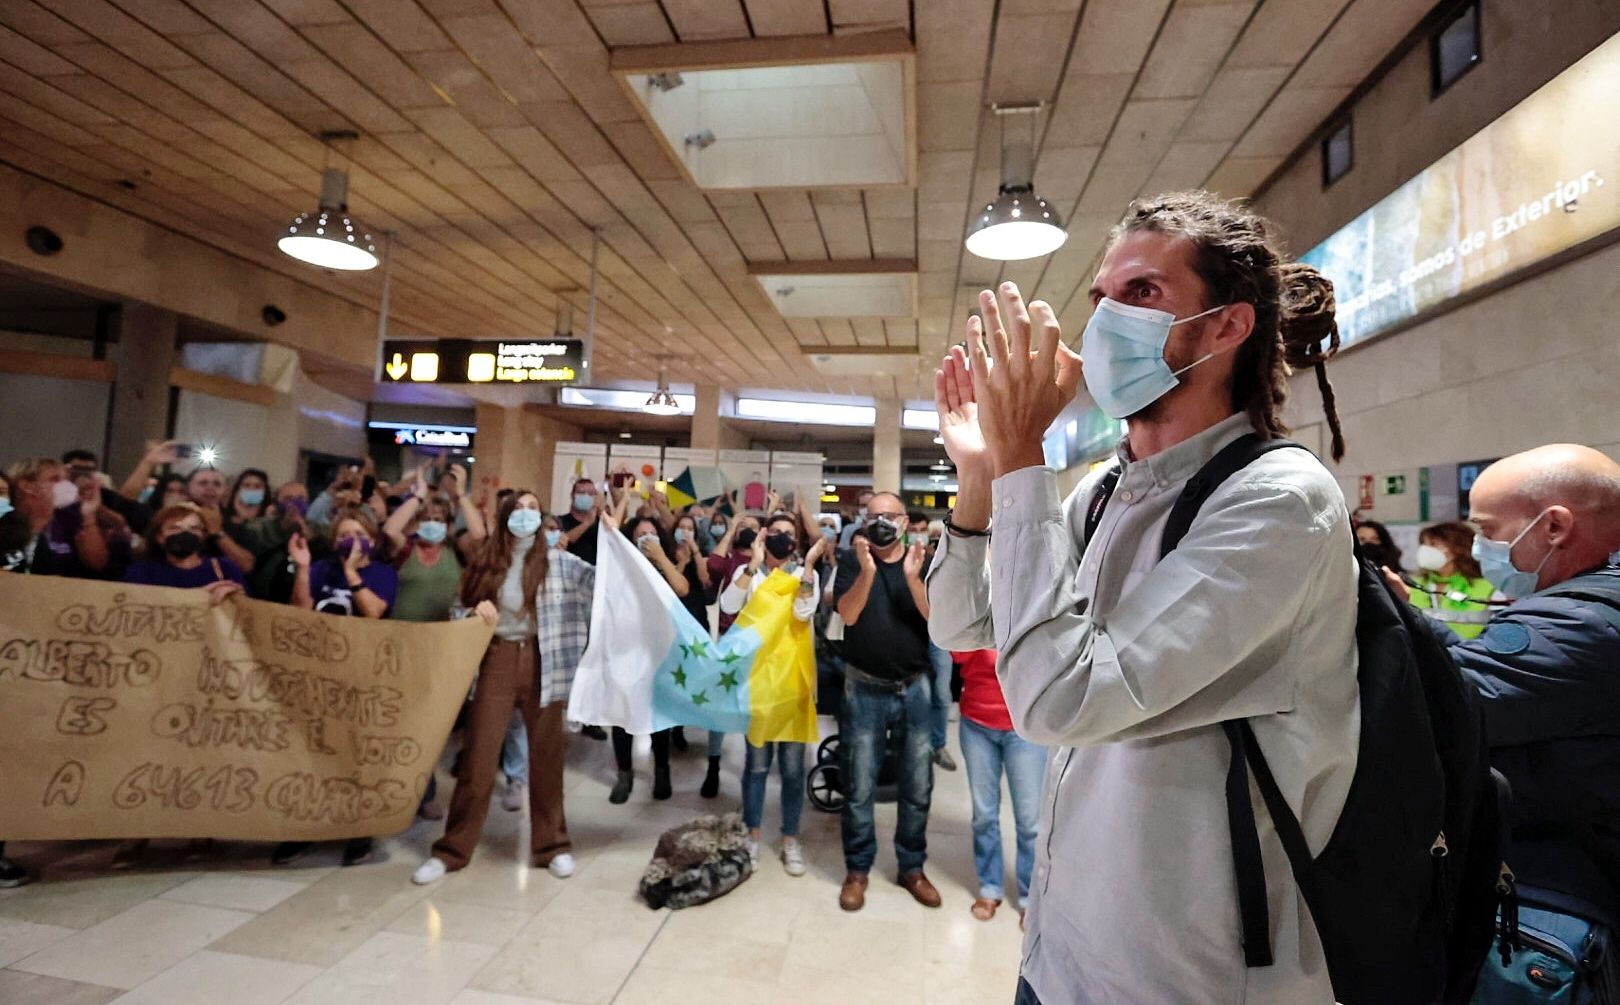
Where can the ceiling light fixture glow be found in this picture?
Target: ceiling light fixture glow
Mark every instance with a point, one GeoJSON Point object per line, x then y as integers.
{"type": "Point", "coordinates": [327, 237]}
{"type": "Point", "coordinates": [1019, 224]}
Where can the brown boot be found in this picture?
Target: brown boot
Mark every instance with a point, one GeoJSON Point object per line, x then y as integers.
{"type": "Point", "coordinates": [921, 890]}
{"type": "Point", "coordinates": [853, 896]}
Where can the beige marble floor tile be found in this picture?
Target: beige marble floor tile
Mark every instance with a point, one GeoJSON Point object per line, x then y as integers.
{"type": "Point", "coordinates": [969, 985]}
{"type": "Point", "coordinates": [500, 883]}
{"type": "Point", "coordinates": [829, 981]}
{"type": "Point", "coordinates": [956, 937]}
{"type": "Point", "coordinates": [859, 945]}
{"type": "Point", "coordinates": [576, 970]}
{"type": "Point", "coordinates": [18, 988]}
{"type": "Point", "coordinates": [747, 912]}
{"type": "Point", "coordinates": [207, 977]}
{"type": "Point", "coordinates": [581, 912]}
{"type": "Point", "coordinates": [80, 903]}
{"type": "Point", "coordinates": [458, 922]}
{"type": "Point", "coordinates": [131, 948]}
{"type": "Point", "coordinates": [24, 938]}
{"type": "Point", "coordinates": [322, 923]}
{"type": "Point", "coordinates": [235, 891]}
{"type": "Point", "coordinates": [397, 969]}
{"type": "Point", "coordinates": [473, 996]}
{"type": "Point", "coordinates": [651, 985]}
{"type": "Point", "coordinates": [697, 953]}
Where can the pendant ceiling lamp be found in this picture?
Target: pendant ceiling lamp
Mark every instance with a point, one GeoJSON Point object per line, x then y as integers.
{"type": "Point", "coordinates": [1019, 224]}
{"type": "Point", "coordinates": [662, 401]}
{"type": "Point", "coordinates": [327, 237]}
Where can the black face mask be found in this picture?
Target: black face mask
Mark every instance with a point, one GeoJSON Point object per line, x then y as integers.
{"type": "Point", "coordinates": [779, 545]}
{"type": "Point", "coordinates": [183, 544]}
{"type": "Point", "coordinates": [745, 537]}
{"type": "Point", "coordinates": [882, 533]}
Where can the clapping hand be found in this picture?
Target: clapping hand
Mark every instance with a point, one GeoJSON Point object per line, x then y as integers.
{"type": "Point", "coordinates": [913, 563]}
{"type": "Point", "coordinates": [1019, 388]}
{"type": "Point", "coordinates": [863, 554]}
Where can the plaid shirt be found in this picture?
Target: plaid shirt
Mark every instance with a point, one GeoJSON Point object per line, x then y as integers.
{"type": "Point", "coordinates": [564, 608]}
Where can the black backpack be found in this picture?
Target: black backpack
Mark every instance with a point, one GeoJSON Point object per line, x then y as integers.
{"type": "Point", "coordinates": [1404, 895]}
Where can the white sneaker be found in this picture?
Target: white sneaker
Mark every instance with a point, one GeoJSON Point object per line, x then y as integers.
{"type": "Point", "coordinates": [753, 852]}
{"type": "Point", "coordinates": [793, 857]}
{"type": "Point", "coordinates": [512, 798]}
{"type": "Point", "coordinates": [561, 866]}
{"type": "Point", "coordinates": [430, 871]}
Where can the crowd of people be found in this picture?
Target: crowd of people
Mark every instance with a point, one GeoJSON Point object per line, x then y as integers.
{"type": "Point", "coordinates": [424, 550]}
{"type": "Point", "coordinates": [1191, 612]}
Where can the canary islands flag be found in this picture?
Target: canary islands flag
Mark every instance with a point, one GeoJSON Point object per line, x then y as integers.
{"type": "Point", "coordinates": [650, 665]}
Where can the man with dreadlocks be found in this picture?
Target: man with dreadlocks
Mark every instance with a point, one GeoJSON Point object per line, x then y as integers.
{"type": "Point", "coordinates": [1125, 663]}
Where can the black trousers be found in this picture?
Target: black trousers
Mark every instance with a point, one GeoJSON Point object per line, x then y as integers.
{"type": "Point", "coordinates": [622, 744]}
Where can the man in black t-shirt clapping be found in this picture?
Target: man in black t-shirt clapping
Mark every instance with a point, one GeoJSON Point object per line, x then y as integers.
{"type": "Point", "coordinates": [884, 605]}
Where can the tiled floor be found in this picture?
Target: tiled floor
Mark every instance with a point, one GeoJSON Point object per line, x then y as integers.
{"type": "Point", "coordinates": [217, 924]}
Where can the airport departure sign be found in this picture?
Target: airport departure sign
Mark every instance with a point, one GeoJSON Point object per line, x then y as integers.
{"type": "Point", "coordinates": [469, 361]}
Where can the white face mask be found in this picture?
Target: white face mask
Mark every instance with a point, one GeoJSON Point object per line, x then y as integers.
{"type": "Point", "coordinates": [1432, 559]}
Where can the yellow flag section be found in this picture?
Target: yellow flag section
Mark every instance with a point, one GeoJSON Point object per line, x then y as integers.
{"type": "Point", "coordinates": [782, 680]}
{"type": "Point", "coordinates": [141, 711]}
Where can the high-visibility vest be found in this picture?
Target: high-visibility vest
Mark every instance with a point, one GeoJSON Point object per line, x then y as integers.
{"type": "Point", "coordinates": [1460, 602]}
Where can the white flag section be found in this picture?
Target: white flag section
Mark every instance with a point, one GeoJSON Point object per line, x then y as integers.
{"type": "Point", "coordinates": [631, 634]}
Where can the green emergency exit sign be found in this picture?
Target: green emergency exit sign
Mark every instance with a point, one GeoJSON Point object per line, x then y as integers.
{"type": "Point", "coordinates": [1395, 485]}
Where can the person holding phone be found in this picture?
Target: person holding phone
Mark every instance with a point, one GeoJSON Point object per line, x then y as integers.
{"type": "Point", "coordinates": [348, 584]}
{"type": "Point", "coordinates": [655, 545]}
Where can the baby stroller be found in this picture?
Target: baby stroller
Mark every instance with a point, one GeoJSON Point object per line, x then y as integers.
{"type": "Point", "coordinates": [824, 782]}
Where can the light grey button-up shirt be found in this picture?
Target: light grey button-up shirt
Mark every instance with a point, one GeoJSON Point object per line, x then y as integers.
{"type": "Point", "coordinates": [1126, 666]}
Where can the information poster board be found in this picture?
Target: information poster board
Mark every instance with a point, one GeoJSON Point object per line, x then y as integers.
{"type": "Point", "coordinates": [639, 463]}
{"type": "Point", "coordinates": [798, 472]}
{"type": "Point", "coordinates": [748, 472]}
{"type": "Point", "coordinates": [573, 462]}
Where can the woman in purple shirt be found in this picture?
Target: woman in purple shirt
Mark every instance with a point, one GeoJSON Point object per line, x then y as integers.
{"type": "Point", "coordinates": [174, 556]}
{"type": "Point", "coordinates": [348, 584]}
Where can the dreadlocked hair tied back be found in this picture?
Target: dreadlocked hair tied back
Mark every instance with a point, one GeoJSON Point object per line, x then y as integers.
{"type": "Point", "coordinates": [1294, 324]}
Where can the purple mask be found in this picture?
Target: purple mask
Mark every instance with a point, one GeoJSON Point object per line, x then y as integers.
{"type": "Point", "coordinates": [346, 544]}
{"type": "Point", "coordinates": [297, 504]}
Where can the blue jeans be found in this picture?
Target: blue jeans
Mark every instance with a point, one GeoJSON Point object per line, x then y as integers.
{"type": "Point", "coordinates": [790, 764]}
{"type": "Point", "coordinates": [987, 753]}
{"type": "Point", "coordinates": [940, 684]}
{"type": "Point", "coordinates": [869, 713]}
{"type": "Point", "coordinates": [515, 751]}
{"type": "Point", "coordinates": [1026, 994]}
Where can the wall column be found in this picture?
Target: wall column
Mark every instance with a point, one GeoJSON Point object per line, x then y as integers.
{"type": "Point", "coordinates": [515, 449]}
{"type": "Point", "coordinates": [709, 428]}
{"type": "Point", "coordinates": [140, 402]}
{"type": "Point", "coordinates": [886, 467]}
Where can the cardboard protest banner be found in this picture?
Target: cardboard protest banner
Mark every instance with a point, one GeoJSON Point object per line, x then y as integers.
{"type": "Point", "coordinates": [137, 711]}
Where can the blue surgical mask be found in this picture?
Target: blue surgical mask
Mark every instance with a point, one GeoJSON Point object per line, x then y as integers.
{"type": "Point", "coordinates": [5, 505]}
{"type": "Point", "coordinates": [1495, 560]}
{"type": "Point", "coordinates": [523, 522]}
{"type": "Point", "coordinates": [251, 497]}
{"type": "Point", "coordinates": [583, 501]}
{"type": "Point", "coordinates": [717, 530]}
{"type": "Point", "coordinates": [553, 537]}
{"type": "Point", "coordinates": [432, 531]}
{"type": "Point", "coordinates": [1123, 349]}
{"type": "Point", "coordinates": [146, 494]}
{"type": "Point", "coordinates": [680, 535]}
{"type": "Point", "coordinates": [830, 533]}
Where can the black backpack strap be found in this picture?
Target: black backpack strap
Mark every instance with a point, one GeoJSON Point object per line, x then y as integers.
{"type": "Point", "coordinates": [1228, 461]}
{"type": "Point", "coordinates": [1246, 755]}
{"type": "Point", "coordinates": [1251, 870]}
{"type": "Point", "coordinates": [1099, 502]}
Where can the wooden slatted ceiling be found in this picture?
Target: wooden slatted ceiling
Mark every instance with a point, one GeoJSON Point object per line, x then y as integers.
{"type": "Point", "coordinates": [495, 139]}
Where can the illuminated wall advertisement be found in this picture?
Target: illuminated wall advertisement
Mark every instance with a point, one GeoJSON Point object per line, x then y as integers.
{"type": "Point", "coordinates": [1542, 178]}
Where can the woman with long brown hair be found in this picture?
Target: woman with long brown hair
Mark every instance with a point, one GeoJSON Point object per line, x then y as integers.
{"type": "Point", "coordinates": [540, 599]}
